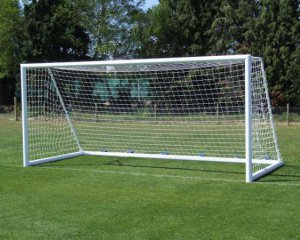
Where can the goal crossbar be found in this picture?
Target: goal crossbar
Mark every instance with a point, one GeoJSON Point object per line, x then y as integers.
{"type": "Point", "coordinates": [139, 61]}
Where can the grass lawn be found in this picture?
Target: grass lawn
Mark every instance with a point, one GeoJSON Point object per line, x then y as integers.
{"type": "Point", "coordinates": [117, 198]}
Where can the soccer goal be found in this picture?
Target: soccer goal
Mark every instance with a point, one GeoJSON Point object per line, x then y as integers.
{"type": "Point", "coordinates": [197, 108]}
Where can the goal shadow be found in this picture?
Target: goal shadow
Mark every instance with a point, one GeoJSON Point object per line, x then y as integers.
{"type": "Point", "coordinates": [121, 162]}
{"type": "Point", "coordinates": [235, 170]}
{"type": "Point", "coordinates": [282, 177]}
{"type": "Point", "coordinates": [196, 169]}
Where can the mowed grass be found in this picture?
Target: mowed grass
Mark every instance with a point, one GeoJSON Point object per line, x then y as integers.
{"type": "Point", "coordinates": [117, 198]}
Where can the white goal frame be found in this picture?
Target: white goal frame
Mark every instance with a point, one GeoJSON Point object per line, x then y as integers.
{"type": "Point", "coordinates": [248, 160]}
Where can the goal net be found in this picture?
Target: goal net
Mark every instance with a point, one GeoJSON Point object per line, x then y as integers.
{"type": "Point", "coordinates": [199, 108]}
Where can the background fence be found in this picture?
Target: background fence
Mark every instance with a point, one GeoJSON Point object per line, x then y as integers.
{"type": "Point", "coordinates": [286, 114]}
{"type": "Point", "coordinates": [11, 112]}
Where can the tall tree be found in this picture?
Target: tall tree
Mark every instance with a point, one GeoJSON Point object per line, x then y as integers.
{"type": "Point", "coordinates": [109, 24]}
{"type": "Point", "coordinates": [232, 25]}
{"type": "Point", "coordinates": [266, 28]}
{"type": "Point", "coordinates": [178, 28]}
{"type": "Point", "coordinates": [10, 35]}
{"type": "Point", "coordinates": [55, 31]}
{"type": "Point", "coordinates": [10, 47]}
{"type": "Point", "coordinates": [277, 40]}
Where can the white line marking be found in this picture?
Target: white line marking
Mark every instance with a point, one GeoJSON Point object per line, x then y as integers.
{"type": "Point", "coordinates": [167, 176]}
{"type": "Point", "coordinates": [144, 174]}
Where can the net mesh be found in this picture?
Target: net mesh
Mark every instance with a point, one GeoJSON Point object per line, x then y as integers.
{"type": "Point", "coordinates": [189, 109]}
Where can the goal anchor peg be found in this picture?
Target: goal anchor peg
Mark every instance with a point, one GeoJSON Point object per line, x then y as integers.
{"type": "Point", "coordinates": [201, 154]}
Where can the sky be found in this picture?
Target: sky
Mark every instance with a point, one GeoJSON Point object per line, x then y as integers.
{"type": "Point", "coordinates": [150, 3]}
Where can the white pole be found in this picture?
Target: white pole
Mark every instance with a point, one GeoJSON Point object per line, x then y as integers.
{"type": "Point", "coordinates": [169, 157]}
{"type": "Point", "coordinates": [248, 118]}
{"type": "Point", "coordinates": [24, 118]}
{"type": "Point", "coordinates": [138, 61]}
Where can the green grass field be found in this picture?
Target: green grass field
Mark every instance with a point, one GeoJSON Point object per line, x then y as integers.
{"type": "Point", "coordinates": [117, 198]}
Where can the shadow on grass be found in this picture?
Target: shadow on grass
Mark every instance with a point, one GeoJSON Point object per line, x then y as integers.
{"type": "Point", "coordinates": [283, 178]}
{"type": "Point", "coordinates": [120, 163]}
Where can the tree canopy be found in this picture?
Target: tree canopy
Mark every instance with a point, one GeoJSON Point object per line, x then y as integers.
{"type": "Point", "coordinates": [265, 28]}
{"type": "Point", "coordinates": [65, 30]}
{"type": "Point", "coordinates": [109, 25]}
{"type": "Point", "coordinates": [53, 32]}
{"type": "Point", "coordinates": [10, 37]}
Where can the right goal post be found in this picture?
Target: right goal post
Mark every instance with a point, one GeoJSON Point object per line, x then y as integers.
{"type": "Point", "coordinates": [214, 108]}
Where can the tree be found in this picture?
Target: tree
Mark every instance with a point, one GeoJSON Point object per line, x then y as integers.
{"type": "Point", "coordinates": [276, 39]}
{"type": "Point", "coordinates": [265, 28]}
{"type": "Point", "coordinates": [178, 28]}
{"type": "Point", "coordinates": [232, 25]}
{"type": "Point", "coordinates": [109, 24]}
{"type": "Point", "coordinates": [10, 47]}
{"type": "Point", "coordinates": [54, 31]}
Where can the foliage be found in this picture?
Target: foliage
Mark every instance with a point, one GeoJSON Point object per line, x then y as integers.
{"type": "Point", "coordinates": [11, 35]}
{"type": "Point", "coordinates": [232, 25]}
{"type": "Point", "coordinates": [54, 32]}
{"type": "Point", "coordinates": [276, 39]}
{"type": "Point", "coordinates": [10, 38]}
{"type": "Point", "coordinates": [266, 28]}
{"type": "Point", "coordinates": [176, 28]}
{"type": "Point", "coordinates": [270, 29]}
{"type": "Point", "coordinates": [109, 26]}
{"type": "Point", "coordinates": [65, 30]}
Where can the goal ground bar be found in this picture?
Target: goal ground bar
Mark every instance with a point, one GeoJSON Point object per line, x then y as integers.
{"type": "Point", "coordinates": [158, 156]}
{"type": "Point", "coordinates": [178, 157]}
{"type": "Point", "coordinates": [52, 159]}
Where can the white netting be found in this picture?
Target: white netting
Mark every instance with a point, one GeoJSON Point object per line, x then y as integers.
{"type": "Point", "coordinates": [190, 109]}
{"type": "Point", "coordinates": [263, 137]}
{"type": "Point", "coordinates": [48, 129]}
